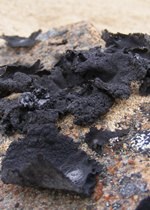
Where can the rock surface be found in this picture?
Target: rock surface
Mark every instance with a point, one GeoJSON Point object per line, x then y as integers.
{"type": "Point", "coordinates": [53, 44]}
{"type": "Point", "coordinates": [118, 159]}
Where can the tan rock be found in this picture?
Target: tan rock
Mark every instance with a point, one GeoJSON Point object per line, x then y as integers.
{"type": "Point", "coordinates": [54, 43]}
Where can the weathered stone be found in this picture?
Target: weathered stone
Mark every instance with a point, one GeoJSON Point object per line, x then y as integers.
{"type": "Point", "coordinates": [53, 44]}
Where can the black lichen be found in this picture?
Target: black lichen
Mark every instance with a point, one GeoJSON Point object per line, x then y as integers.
{"type": "Point", "coordinates": [144, 204]}
{"type": "Point", "coordinates": [97, 138]}
{"type": "Point", "coordinates": [138, 44]}
{"type": "Point", "coordinates": [84, 84]}
{"type": "Point", "coordinates": [49, 160]}
{"type": "Point", "coordinates": [145, 86]}
{"type": "Point", "coordinates": [17, 41]}
{"type": "Point", "coordinates": [17, 78]}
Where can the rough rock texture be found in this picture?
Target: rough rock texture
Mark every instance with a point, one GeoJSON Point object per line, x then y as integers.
{"type": "Point", "coordinates": [141, 141]}
{"type": "Point", "coordinates": [132, 185]}
{"type": "Point", "coordinates": [53, 44]}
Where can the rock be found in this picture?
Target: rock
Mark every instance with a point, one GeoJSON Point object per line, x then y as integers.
{"type": "Point", "coordinates": [132, 185]}
{"type": "Point", "coordinates": [53, 44]}
{"type": "Point", "coordinates": [140, 142]}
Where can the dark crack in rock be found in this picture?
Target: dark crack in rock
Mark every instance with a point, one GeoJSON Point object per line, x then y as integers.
{"type": "Point", "coordinates": [17, 41]}
{"type": "Point", "coordinates": [97, 138]}
{"type": "Point", "coordinates": [49, 160]}
{"type": "Point", "coordinates": [144, 204]}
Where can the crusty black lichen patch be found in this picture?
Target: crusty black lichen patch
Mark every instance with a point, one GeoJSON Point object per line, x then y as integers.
{"type": "Point", "coordinates": [49, 160]}
{"type": "Point", "coordinates": [84, 84]}
{"type": "Point", "coordinates": [144, 204]}
{"type": "Point", "coordinates": [17, 41]}
{"type": "Point", "coordinates": [97, 138]}
{"type": "Point", "coordinates": [145, 86]}
{"type": "Point", "coordinates": [137, 44]}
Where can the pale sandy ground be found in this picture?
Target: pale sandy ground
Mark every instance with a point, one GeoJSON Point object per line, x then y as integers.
{"type": "Point", "coordinates": [25, 16]}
